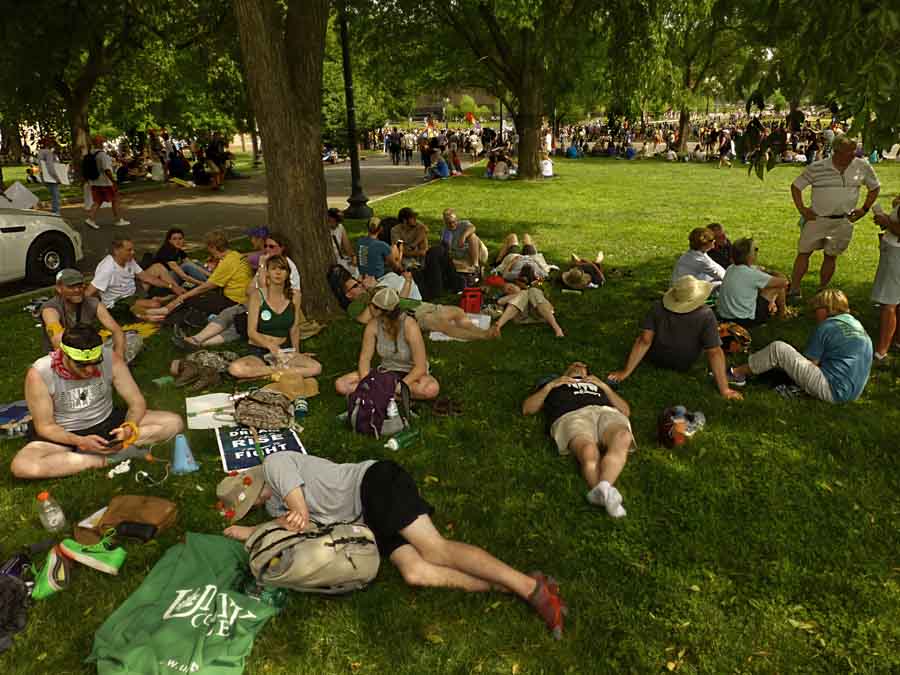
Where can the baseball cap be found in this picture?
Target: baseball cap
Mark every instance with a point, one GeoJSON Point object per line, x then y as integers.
{"type": "Point", "coordinates": [262, 232]}
{"type": "Point", "coordinates": [386, 299]}
{"type": "Point", "coordinates": [69, 277]}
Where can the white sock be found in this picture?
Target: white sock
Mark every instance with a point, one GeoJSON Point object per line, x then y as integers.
{"type": "Point", "coordinates": [614, 503]}
{"type": "Point", "coordinates": [597, 494]}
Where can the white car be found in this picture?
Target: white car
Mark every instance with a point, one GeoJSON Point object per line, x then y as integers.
{"type": "Point", "coordinates": [36, 245]}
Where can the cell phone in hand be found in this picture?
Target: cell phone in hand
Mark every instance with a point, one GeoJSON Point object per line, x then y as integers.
{"type": "Point", "coordinates": [114, 443]}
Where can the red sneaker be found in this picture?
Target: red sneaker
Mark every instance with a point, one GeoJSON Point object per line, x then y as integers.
{"type": "Point", "coordinates": [549, 605]}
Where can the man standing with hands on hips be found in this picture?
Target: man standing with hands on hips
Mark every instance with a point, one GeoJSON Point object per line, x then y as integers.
{"type": "Point", "coordinates": [828, 220]}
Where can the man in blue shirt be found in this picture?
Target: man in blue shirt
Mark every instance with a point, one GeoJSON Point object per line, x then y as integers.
{"type": "Point", "coordinates": [376, 258]}
{"type": "Point", "coordinates": [838, 356]}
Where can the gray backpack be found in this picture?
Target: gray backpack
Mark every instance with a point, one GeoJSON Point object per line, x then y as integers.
{"type": "Point", "coordinates": [328, 559]}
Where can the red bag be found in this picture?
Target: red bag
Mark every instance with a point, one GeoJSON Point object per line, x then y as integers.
{"type": "Point", "coordinates": [471, 300]}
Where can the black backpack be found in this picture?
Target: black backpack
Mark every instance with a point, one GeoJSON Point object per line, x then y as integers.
{"type": "Point", "coordinates": [89, 168]}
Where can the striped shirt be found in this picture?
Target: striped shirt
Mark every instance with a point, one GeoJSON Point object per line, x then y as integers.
{"type": "Point", "coordinates": [835, 193]}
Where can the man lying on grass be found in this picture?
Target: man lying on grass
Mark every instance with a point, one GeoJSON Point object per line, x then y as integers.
{"type": "Point", "coordinates": [299, 489]}
{"type": "Point", "coordinates": [75, 425]}
{"type": "Point", "coordinates": [676, 330]}
{"type": "Point", "coordinates": [584, 414]}
{"type": "Point", "coordinates": [838, 358]}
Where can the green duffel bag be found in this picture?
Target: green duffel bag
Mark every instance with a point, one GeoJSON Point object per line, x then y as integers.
{"type": "Point", "coordinates": [188, 616]}
{"type": "Point", "coordinates": [330, 559]}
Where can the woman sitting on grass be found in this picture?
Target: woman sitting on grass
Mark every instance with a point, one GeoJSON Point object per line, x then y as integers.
{"type": "Point", "coordinates": [273, 321]}
{"type": "Point", "coordinates": [398, 341]}
{"type": "Point", "coordinates": [173, 257]}
{"type": "Point", "coordinates": [748, 296]}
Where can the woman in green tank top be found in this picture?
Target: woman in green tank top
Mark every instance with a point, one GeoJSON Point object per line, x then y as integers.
{"type": "Point", "coordinates": [273, 323]}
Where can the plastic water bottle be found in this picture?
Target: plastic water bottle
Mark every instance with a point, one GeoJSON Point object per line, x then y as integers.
{"type": "Point", "coordinates": [301, 407]}
{"type": "Point", "coordinates": [51, 514]}
{"type": "Point", "coordinates": [402, 440]}
{"type": "Point", "coordinates": [392, 409]}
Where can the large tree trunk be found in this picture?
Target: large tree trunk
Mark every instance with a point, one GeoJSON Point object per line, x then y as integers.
{"type": "Point", "coordinates": [12, 141]}
{"type": "Point", "coordinates": [283, 53]}
{"type": "Point", "coordinates": [528, 125]}
{"type": "Point", "coordinates": [79, 127]}
{"type": "Point", "coordinates": [684, 121]}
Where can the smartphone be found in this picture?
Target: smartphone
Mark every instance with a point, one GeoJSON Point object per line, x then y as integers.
{"type": "Point", "coordinates": [114, 444]}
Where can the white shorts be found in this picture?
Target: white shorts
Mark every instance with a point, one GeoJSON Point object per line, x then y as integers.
{"type": "Point", "coordinates": [831, 234]}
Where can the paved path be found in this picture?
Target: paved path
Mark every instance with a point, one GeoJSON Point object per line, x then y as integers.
{"type": "Point", "coordinates": [242, 205]}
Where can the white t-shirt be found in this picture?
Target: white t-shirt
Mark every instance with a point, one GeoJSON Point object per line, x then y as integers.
{"type": "Point", "coordinates": [547, 168]}
{"type": "Point", "coordinates": [104, 163]}
{"type": "Point", "coordinates": [48, 158]}
{"type": "Point", "coordinates": [114, 281]}
{"type": "Point", "coordinates": [395, 281]}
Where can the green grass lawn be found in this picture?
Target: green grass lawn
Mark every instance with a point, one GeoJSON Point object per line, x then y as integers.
{"type": "Point", "coordinates": [243, 163]}
{"type": "Point", "coordinates": [768, 544]}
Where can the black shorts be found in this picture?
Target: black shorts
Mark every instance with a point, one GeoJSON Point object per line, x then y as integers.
{"type": "Point", "coordinates": [762, 314]}
{"type": "Point", "coordinates": [390, 502]}
{"type": "Point", "coordinates": [115, 419]}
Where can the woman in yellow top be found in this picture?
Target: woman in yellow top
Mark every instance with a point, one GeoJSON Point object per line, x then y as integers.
{"type": "Point", "coordinates": [226, 286]}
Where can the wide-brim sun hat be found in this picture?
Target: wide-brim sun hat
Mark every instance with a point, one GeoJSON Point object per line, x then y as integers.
{"type": "Point", "coordinates": [238, 492]}
{"type": "Point", "coordinates": [576, 278]}
{"type": "Point", "coordinates": [687, 294]}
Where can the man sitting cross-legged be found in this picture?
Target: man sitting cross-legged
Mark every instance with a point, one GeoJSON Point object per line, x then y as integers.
{"type": "Point", "coordinates": [676, 330]}
{"type": "Point", "coordinates": [584, 414]}
{"type": "Point", "coordinates": [75, 425]}
{"type": "Point", "coordinates": [298, 489]}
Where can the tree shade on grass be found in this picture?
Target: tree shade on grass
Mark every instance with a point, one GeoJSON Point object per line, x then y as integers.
{"type": "Point", "coordinates": [768, 544]}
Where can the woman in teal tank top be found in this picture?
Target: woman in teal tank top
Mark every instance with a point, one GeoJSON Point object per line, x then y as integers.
{"type": "Point", "coordinates": [273, 324]}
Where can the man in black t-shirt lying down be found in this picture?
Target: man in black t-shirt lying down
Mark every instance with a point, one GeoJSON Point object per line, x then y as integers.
{"type": "Point", "coordinates": [584, 415]}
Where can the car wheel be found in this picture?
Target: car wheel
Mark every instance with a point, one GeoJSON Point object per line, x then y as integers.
{"type": "Point", "coordinates": [47, 255]}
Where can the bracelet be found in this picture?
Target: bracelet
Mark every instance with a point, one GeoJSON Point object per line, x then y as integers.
{"type": "Point", "coordinates": [135, 434]}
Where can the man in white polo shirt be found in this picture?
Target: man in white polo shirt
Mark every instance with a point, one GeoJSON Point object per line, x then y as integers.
{"type": "Point", "coordinates": [829, 218]}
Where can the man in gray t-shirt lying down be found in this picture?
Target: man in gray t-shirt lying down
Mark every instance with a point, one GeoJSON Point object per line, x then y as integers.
{"type": "Point", "coordinates": [299, 489]}
{"type": "Point", "coordinates": [74, 424]}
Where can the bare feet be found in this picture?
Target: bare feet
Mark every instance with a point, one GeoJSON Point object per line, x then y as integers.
{"type": "Point", "coordinates": [239, 532]}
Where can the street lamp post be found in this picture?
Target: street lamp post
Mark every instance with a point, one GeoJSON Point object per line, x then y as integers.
{"type": "Point", "coordinates": [358, 201]}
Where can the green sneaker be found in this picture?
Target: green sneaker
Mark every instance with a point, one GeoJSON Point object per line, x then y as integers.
{"type": "Point", "coordinates": [101, 556]}
{"type": "Point", "coordinates": [53, 576]}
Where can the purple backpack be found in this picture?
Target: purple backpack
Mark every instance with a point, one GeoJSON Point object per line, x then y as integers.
{"type": "Point", "coordinates": [374, 409]}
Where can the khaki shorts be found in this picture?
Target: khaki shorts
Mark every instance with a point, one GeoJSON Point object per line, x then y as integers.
{"type": "Point", "coordinates": [591, 421]}
{"type": "Point", "coordinates": [832, 235]}
{"type": "Point", "coordinates": [424, 312]}
{"type": "Point", "coordinates": [527, 302]}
